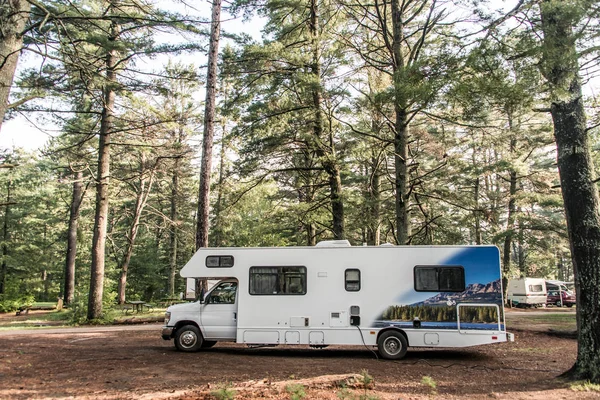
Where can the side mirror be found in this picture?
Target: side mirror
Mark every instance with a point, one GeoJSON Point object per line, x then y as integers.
{"type": "Point", "coordinates": [201, 296]}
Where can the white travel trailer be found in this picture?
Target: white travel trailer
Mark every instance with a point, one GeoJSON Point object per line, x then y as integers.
{"type": "Point", "coordinates": [527, 292]}
{"type": "Point", "coordinates": [388, 296]}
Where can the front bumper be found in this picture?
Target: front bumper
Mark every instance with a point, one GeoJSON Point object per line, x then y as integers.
{"type": "Point", "coordinates": [167, 333]}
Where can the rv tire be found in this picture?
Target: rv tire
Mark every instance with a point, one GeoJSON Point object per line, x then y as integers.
{"type": "Point", "coordinates": [188, 338]}
{"type": "Point", "coordinates": [392, 345]}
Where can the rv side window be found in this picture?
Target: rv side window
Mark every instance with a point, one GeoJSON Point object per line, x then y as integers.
{"type": "Point", "coordinates": [439, 279]}
{"type": "Point", "coordinates": [277, 280]}
{"type": "Point", "coordinates": [352, 280]}
{"type": "Point", "coordinates": [219, 261]}
{"type": "Point", "coordinates": [536, 288]}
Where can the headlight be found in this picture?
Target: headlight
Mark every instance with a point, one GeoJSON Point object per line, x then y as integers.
{"type": "Point", "coordinates": [167, 317]}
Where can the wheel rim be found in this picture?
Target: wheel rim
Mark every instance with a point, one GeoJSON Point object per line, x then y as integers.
{"type": "Point", "coordinates": [188, 339]}
{"type": "Point", "coordinates": [392, 346]}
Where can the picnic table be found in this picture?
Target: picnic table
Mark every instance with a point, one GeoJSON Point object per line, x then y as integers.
{"type": "Point", "coordinates": [138, 305]}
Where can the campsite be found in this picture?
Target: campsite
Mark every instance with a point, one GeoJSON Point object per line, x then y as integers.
{"type": "Point", "coordinates": [299, 199]}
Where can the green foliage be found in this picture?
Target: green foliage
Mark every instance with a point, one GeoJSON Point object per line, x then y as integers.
{"type": "Point", "coordinates": [429, 382]}
{"type": "Point", "coordinates": [10, 304]}
{"type": "Point", "coordinates": [366, 380]}
{"type": "Point", "coordinates": [584, 386]}
{"type": "Point", "coordinates": [224, 393]}
{"type": "Point", "coordinates": [296, 391]}
{"type": "Point", "coordinates": [78, 309]}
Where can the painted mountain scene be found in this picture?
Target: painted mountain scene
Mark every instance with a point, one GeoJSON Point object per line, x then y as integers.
{"type": "Point", "coordinates": [441, 310]}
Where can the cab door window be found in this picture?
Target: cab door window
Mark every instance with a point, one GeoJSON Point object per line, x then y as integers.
{"type": "Point", "coordinates": [224, 293]}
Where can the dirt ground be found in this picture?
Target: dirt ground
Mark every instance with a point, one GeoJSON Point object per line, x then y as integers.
{"type": "Point", "coordinates": [137, 363]}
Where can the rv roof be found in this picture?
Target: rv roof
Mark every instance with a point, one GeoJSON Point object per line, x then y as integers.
{"type": "Point", "coordinates": [334, 243]}
{"type": "Point", "coordinates": [558, 282]}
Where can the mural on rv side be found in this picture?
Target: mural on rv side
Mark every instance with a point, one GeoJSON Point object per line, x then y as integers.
{"type": "Point", "coordinates": [439, 310]}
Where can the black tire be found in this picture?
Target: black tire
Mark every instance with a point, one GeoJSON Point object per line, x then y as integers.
{"type": "Point", "coordinates": [392, 345]}
{"type": "Point", "coordinates": [569, 305]}
{"type": "Point", "coordinates": [558, 304]}
{"type": "Point", "coordinates": [207, 344]}
{"type": "Point", "coordinates": [188, 338]}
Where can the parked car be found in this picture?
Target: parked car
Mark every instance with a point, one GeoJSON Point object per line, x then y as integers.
{"type": "Point", "coordinates": [568, 299]}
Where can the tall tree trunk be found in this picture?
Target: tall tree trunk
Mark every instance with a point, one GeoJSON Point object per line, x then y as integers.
{"type": "Point", "coordinates": [477, 211]}
{"type": "Point", "coordinates": [374, 203]}
{"type": "Point", "coordinates": [521, 250]}
{"type": "Point", "coordinates": [45, 275]}
{"type": "Point", "coordinates": [576, 169]}
{"type": "Point", "coordinates": [218, 234]}
{"type": "Point", "coordinates": [174, 216]}
{"type": "Point", "coordinates": [72, 239]}
{"type": "Point", "coordinates": [326, 152]}
{"type": "Point", "coordinates": [512, 202]}
{"type": "Point", "coordinates": [173, 240]}
{"type": "Point", "coordinates": [102, 186]}
{"type": "Point", "coordinates": [140, 203]}
{"type": "Point", "coordinates": [306, 195]}
{"type": "Point", "coordinates": [560, 266]}
{"type": "Point", "coordinates": [13, 17]}
{"type": "Point", "coordinates": [403, 227]}
{"type": "Point", "coordinates": [5, 237]}
{"type": "Point", "coordinates": [218, 225]}
{"type": "Point", "coordinates": [203, 222]}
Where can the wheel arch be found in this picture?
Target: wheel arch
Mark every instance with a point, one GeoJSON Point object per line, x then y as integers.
{"type": "Point", "coordinates": [391, 328]}
{"type": "Point", "coordinates": [185, 322]}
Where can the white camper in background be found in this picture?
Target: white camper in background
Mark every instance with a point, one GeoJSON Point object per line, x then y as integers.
{"type": "Point", "coordinates": [391, 297]}
{"type": "Point", "coordinates": [527, 292]}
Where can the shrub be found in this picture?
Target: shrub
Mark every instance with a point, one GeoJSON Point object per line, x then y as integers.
{"type": "Point", "coordinates": [296, 391]}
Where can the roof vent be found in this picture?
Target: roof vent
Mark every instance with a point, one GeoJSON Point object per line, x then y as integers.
{"type": "Point", "coordinates": [333, 243]}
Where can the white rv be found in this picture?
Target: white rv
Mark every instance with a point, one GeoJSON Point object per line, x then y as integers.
{"type": "Point", "coordinates": [391, 297]}
{"type": "Point", "coordinates": [527, 292]}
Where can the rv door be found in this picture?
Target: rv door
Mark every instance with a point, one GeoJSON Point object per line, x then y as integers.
{"type": "Point", "coordinates": [219, 312]}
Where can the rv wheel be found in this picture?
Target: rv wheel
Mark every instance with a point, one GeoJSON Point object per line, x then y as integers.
{"type": "Point", "coordinates": [392, 345]}
{"type": "Point", "coordinates": [188, 338]}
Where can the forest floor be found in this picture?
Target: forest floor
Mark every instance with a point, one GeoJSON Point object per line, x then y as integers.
{"type": "Point", "coordinates": [133, 362]}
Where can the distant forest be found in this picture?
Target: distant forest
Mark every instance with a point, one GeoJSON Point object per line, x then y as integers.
{"type": "Point", "coordinates": [341, 122]}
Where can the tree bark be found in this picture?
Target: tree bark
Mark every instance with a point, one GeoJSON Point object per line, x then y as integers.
{"type": "Point", "coordinates": [374, 203]}
{"type": "Point", "coordinates": [76, 200]}
{"type": "Point", "coordinates": [102, 186]}
{"type": "Point", "coordinates": [576, 169]}
{"type": "Point", "coordinates": [511, 210]}
{"type": "Point", "coordinates": [5, 237]}
{"type": "Point", "coordinates": [403, 226]}
{"type": "Point", "coordinates": [477, 211]}
{"type": "Point", "coordinates": [218, 234]}
{"type": "Point", "coordinates": [202, 222]}
{"type": "Point", "coordinates": [173, 240]}
{"type": "Point", "coordinates": [174, 216]}
{"type": "Point", "coordinates": [13, 17]}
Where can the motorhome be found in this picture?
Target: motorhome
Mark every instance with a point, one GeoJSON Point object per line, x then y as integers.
{"type": "Point", "coordinates": [526, 292]}
{"type": "Point", "coordinates": [391, 297]}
